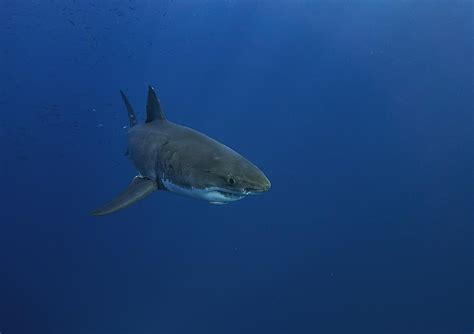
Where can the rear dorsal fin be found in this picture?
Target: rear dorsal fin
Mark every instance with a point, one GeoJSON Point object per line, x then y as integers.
{"type": "Point", "coordinates": [131, 114]}
{"type": "Point", "coordinates": [153, 107]}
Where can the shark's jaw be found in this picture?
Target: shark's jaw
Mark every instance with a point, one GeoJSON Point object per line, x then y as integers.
{"type": "Point", "coordinates": [214, 195]}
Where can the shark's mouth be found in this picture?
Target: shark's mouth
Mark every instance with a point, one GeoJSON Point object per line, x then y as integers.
{"type": "Point", "coordinates": [238, 194]}
{"type": "Point", "coordinates": [210, 194]}
{"type": "Point", "coordinates": [222, 196]}
{"type": "Point", "coordinates": [231, 195]}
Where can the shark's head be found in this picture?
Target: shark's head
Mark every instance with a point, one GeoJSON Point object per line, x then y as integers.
{"type": "Point", "coordinates": [225, 176]}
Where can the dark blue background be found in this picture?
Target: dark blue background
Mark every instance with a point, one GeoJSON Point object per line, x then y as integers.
{"type": "Point", "coordinates": [359, 112]}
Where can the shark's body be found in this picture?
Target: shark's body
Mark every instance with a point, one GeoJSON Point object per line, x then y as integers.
{"type": "Point", "coordinates": [172, 157]}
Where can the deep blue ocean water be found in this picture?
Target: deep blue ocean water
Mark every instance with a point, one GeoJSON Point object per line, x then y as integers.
{"type": "Point", "coordinates": [359, 112]}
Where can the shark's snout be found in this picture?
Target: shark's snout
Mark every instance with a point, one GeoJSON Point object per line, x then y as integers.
{"type": "Point", "coordinates": [263, 185]}
{"type": "Point", "coordinates": [267, 185]}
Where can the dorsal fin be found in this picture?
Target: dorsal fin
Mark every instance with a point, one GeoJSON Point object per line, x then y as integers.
{"type": "Point", "coordinates": [153, 107]}
{"type": "Point", "coordinates": [131, 114]}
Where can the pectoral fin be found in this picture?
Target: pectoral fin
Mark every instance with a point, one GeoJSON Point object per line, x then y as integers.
{"type": "Point", "coordinates": [139, 188]}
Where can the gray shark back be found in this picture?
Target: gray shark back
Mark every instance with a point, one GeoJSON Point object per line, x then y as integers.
{"type": "Point", "coordinates": [165, 150]}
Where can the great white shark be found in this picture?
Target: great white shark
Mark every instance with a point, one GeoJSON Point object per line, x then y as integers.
{"type": "Point", "coordinates": [181, 160]}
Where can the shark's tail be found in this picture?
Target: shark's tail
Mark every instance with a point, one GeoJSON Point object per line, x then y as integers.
{"type": "Point", "coordinates": [131, 114]}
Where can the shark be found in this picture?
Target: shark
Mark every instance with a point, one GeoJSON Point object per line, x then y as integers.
{"type": "Point", "coordinates": [175, 158]}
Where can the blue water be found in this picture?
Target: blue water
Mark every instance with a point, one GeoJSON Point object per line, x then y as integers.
{"type": "Point", "coordinates": [359, 112]}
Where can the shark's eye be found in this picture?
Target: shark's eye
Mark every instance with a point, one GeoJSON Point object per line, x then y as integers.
{"type": "Point", "coordinates": [231, 181]}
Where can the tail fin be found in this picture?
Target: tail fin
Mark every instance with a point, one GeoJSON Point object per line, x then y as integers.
{"type": "Point", "coordinates": [131, 114]}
